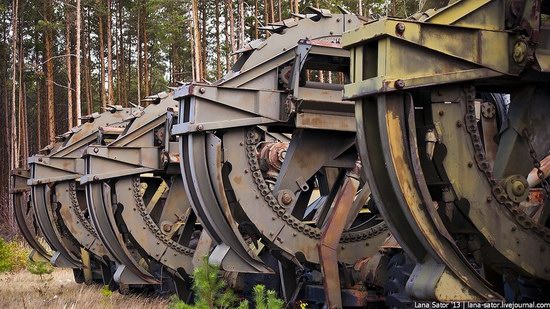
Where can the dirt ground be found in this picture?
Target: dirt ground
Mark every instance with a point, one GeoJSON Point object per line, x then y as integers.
{"type": "Point", "coordinates": [58, 290]}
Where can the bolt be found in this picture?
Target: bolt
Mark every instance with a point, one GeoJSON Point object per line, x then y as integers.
{"type": "Point", "coordinates": [518, 188]}
{"type": "Point", "coordinates": [167, 227]}
{"type": "Point", "coordinates": [257, 196]}
{"type": "Point", "coordinates": [202, 90]}
{"type": "Point", "coordinates": [441, 113]}
{"type": "Point", "coordinates": [241, 143]}
{"type": "Point", "coordinates": [286, 198]}
{"type": "Point", "coordinates": [273, 218]}
{"type": "Point", "coordinates": [294, 234]}
{"type": "Point", "coordinates": [400, 28]}
{"type": "Point", "coordinates": [337, 20]}
{"type": "Point", "coordinates": [520, 51]}
{"type": "Point", "coordinates": [271, 234]}
{"type": "Point", "coordinates": [246, 171]}
{"type": "Point", "coordinates": [349, 21]}
{"type": "Point", "coordinates": [470, 164]}
{"type": "Point", "coordinates": [514, 229]}
{"type": "Point", "coordinates": [39, 159]}
{"type": "Point", "coordinates": [399, 84]}
{"type": "Point", "coordinates": [200, 127]}
{"type": "Point", "coordinates": [96, 178]}
{"type": "Point", "coordinates": [489, 199]}
{"type": "Point", "coordinates": [96, 150]}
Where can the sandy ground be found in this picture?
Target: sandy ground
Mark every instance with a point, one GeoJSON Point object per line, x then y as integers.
{"type": "Point", "coordinates": [58, 290]}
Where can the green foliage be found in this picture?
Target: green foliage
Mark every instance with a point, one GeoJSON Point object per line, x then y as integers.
{"type": "Point", "coordinates": [211, 292]}
{"type": "Point", "coordinates": [210, 289]}
{"type": "Point", "coordinates": [273, 302]}
{"type": "Point", "coordinates": [40, 268]}
{"type": "Point", "coordinates": [259, 296]}
{"type": "Point", "coordinates": [106, 292]}
{"type": "Point", "coordinates": [13, 256]}
{"type": "Point", "coordinates": [266, 299]}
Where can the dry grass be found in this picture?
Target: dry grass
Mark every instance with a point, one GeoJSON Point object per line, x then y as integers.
{"type": "Point", "coordinates": [58, 290]}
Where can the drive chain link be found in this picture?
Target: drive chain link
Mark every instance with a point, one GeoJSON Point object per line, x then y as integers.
{"type": "Point", "coordinates": [150, 223]}
{"type": "Point", "coordinates": [252, 139]}
{"type": "Point", "coordinates": [484, 166]}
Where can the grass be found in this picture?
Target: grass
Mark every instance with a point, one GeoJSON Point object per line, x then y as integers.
{"type": "Point", "coordinates": [13, 255]}
{"type": "Point", "coordinates": [22, 289]}
{"type": "Point", "coordinates": [26, 284]}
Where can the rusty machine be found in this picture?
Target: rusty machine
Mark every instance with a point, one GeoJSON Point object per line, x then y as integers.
{"type": "Point", "coordinates": [448, 171]}
{"type": "Point", "coordinates": [352, 162]}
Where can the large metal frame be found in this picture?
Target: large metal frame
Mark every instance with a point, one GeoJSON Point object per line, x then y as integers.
{"type": "Point", "coordinates": [489, 45]}
{"type": "Point", "coordinates": [220, 163]}
{"type": "Point", "coordinates": [54, 197]}
{"type": "Point", "coordinates": [137, 201]}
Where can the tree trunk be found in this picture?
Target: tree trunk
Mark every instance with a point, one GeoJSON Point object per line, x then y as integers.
{"type": "Point", "coordinates": [69, 67]}
{"type": "Point", "coordinates": [196, 46]}
{"type": "Point", "coordinates": [121, 75]}
{"type": "Point", "coordinates": [77, 79]}
{"type": "Point", "coordinates": [147, 79]}
{"type": "Point", "coordinates": [86, 66]}
{"type": "Point", "coordinates": [138, 59]}
{"type": "Point", "coordinates": [266, 16]}
{"type": "Point", "coordinates": [23, 140]}
{"type": "Point", "coordinates": [102, 62]}
{"type": "Point", "coordinates": [231, 29]}
{"type": "Point", "coordinates": [272, 11]}
{"type": "Point", "coordinates": [204, 42]}
{"type": "Point", "coordinates": [218, 48]}
{"type": "Point", "coordinates": [241, 23]}
{"type": "Point", "coordinates": [227, 53]}
{"type": "Point", "coordinates": [15, 36]}
{"type": "Point", "coordinates": [110, 55]}
{"type": "Point", "coordinates": [48, 46]}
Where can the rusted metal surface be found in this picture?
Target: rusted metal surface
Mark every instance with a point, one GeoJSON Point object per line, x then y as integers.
{"type": "Point", "coordinates": [330, 238]}
{"type": "Point", "coordinates": [473, 42]}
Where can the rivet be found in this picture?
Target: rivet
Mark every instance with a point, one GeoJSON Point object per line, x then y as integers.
{"type": "Point", "coordinates": [441, 113]}
{"type": "Point", "coordinates": [489, 199]}
{"type": "Point", "coordinates": [200, 127]}
{"type": "Point", "coordinates": [399, 84]}
{"type": "Point", "coordinates": [286, 198]}
{"type": "Point", "coordinates": [459, 124]}
{"type": "Point", "coordinates": [96, 150]}
{"type": "Point", "coordinates": [400, 28]}
{"type": "Point", "coordinates": [202, 90]}
{"type": "Point", "coordinates": [470, 164]}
